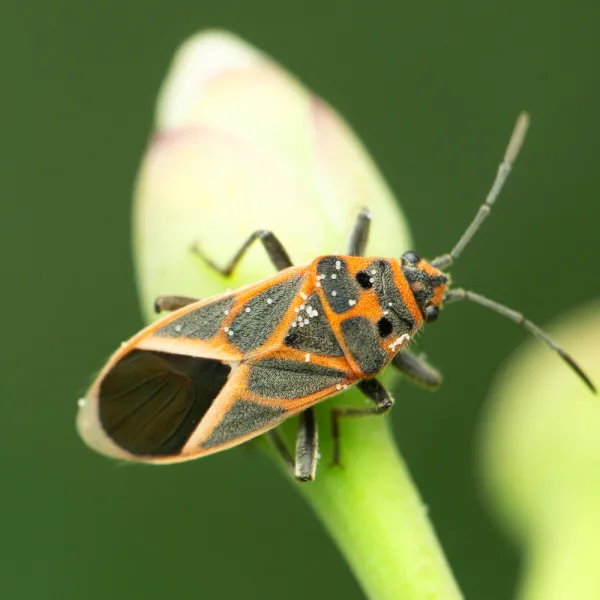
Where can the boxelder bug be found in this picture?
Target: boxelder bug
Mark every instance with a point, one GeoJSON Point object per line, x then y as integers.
{"type": "Point", "coordinates": [214, 373]}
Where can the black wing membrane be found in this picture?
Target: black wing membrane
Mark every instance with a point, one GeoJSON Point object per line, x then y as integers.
{"type": "Point", "coordinates": [151, 402]}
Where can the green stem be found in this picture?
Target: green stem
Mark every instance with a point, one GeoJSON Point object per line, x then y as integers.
{"type": "Point", "coordinates": [373, 511]}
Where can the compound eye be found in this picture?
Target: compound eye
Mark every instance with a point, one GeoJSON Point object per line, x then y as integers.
{"type": "Point", "coordinates": [431, 314]}
{"type": "Point", "coordinates": [410, 257]}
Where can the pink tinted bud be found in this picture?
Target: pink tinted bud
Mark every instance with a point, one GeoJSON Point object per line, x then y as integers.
{"type": "Point", "coordinates": [240, 145]}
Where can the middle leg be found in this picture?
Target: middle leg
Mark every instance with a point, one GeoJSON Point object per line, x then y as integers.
{"type": "Point", "coordinates": [304, 467]}
{"type": "Point", "coordinates": [376, 392]}
{"type": "Point", "coordinates": [273, 247]}
{"type": "Point", "coordinates": [170, 303]}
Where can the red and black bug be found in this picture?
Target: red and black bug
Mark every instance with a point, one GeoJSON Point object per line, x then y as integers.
{"type": "Point", "coordinates": [214, 373]}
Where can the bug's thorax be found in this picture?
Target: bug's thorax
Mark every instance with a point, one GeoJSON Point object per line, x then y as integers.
{"type": "Point", "coordinates": [370, 306]}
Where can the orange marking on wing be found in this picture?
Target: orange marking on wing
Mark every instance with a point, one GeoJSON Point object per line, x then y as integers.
{"type": "Point", "coordinates": [276, 338]}
{"type": "Point", "coordinates": [218, 347]}
{"type": "Point", "coordinates": [221, 345]}
{"type": "Point", "coordinates": [237, 389]}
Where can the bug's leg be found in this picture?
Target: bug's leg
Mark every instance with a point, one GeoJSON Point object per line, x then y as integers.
{"type": "Point", "coordinates": [307, 446]}
{"type": "Point", "coordinates": [374, 391]}
{"type": "Point", "coordinates": [305, 466]}
{"type": "Point", "coordinates": [172, 302]}
{"type": "Point", "coordinates": [282, 450]}
{"type": "Point", "coordinates": [417, 369]}
{"type": "Point", "coordinates": [357, 243]}
{"type": "Point", "coordinates": [275, 250]}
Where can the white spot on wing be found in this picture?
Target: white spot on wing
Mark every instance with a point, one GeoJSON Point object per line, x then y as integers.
{"type": "Point", "coordinates": [399, 341]}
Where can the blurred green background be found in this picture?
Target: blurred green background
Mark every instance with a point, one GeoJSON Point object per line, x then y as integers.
{"type": "Point", "coordinates": [433, 89]}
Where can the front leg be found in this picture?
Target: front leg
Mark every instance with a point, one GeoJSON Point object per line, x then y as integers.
{"type": "Point", "coordinates": [376, 392]}
{"type": "Point", "coordinates": [304, 467]}
{"type": "Point", "coordinates": [273, 247]}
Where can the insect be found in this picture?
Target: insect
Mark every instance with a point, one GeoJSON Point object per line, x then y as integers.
{"type": "Point", "coordinates": [216, 372]}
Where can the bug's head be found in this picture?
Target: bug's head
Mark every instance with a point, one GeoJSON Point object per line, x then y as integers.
{"type": "Point", "coordinates": [427, 284]}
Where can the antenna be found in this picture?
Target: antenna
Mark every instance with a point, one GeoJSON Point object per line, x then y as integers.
{"type": "Point", "coordinates": [460, 294]}
{"type": "Point", "coordinates": [514, 145]}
